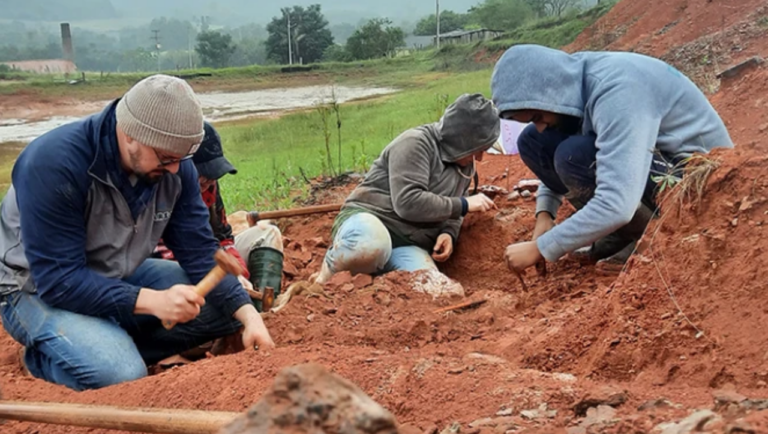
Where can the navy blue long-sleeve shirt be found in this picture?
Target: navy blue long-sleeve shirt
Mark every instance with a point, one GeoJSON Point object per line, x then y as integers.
{"type": "Point", "coordinates": [52, 182]}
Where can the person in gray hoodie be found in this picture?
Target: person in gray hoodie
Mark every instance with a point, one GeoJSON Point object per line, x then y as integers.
{"type": "Point", "coordinates": [407, 212]}
{"type": "Point", "coordinates": [604, 125]}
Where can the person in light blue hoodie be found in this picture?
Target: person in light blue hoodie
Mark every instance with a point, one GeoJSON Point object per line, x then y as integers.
{"type": "Point", "coordinates": [604, 125]}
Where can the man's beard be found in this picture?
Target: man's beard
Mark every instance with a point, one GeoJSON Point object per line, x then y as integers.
{"type": "Point", "coordinates": [150, 178]}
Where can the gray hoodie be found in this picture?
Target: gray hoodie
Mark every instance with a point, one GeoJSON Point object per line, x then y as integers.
{"type": "Point", "coordinates": [415, 187]}
{"type": "Point", "coordinates": [634, 104]}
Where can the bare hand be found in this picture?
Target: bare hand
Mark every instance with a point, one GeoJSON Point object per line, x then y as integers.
{"type": "Point", "coordinates": [443, 248]}
{"type": "Point", "coordinates": [245, 282]}
{"type": "Point", "coordinates": [522, 256]}
{"type": "Point", "coordinates": [255, 333]}
{"type": "Point", "coordinates": [480, 202]}
{"type": "Point", "coordinates": [178, 304]}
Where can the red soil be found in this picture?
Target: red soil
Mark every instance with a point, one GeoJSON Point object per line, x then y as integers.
{"type": "Point", "coordinates": [711, 258]}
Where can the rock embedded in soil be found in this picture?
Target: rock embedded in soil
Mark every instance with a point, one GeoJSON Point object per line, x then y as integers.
{"type": "Point", "coordinates": [725, 398]}
{"type": "Point", "coordinates": [338, 280]}
{"type": "Point", "coordinates": [654, 404]}
{"type": "Point", "coordinates": [309, 399]}
{"type": "Point", "coordinates": [605, 396]}
{"type": "Point", "coordinates": [691, 424]}
{"type": "Point", "coordinates": [362, 281]}
{"type": "Point", "coordinates": [436, 284]}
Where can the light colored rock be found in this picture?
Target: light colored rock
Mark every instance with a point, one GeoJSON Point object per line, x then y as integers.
{"type": "Point", "coordinates": [436, 284]}
{"type": "Point", "coordinates": [454, 428]}
{"type": "Point", "coordinates": [486, 421]}
{"type": "Point", "coordinates": [599, 415]}
{"type": "Point", "coordinates": [691, 424]}
{"type": "Point", "coordinates": [565, 378]}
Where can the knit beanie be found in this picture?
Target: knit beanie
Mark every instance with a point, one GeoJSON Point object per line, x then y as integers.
{"type": "Point", "coordinates": [162, 112]}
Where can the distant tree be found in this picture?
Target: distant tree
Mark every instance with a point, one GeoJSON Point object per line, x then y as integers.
{"type": "Point", "coordinates": [214, 48]}
{"type": "Point", "coordinates": [139, 59]}
{"type": "Point", "coordinates": [554, 8]}
{"type": "Point", "coordinates": [342, 32]}
{"type": "Point", "coordinates": [449, 21]}
{"type": "Point", "coordinates": [174, 34]}
{"type": "Point", "coordinates": [249, 52]}
{"type": "Point", "coordinates": [250, 48]}
{"type": "Point", "coordinates": [501, 14]}
{"type": "Point", "coordinates": [538, 7]}
{"type": "Point", "coordinates": [337, 53]}
{"type": "Point", "coordinates": [558, 7]}
{"type": "Point", "coordinates": [377, 38]}
{"type": "Point", "coordinates": [249, 32]}
{"type": "Point", "coordinates": [310, 35]}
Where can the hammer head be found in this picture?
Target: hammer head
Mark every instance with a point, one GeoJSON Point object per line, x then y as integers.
{"type": "Point", "coordinates": [229, 263]}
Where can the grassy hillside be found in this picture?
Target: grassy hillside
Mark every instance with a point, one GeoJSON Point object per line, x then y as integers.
{"type": "Point", "coordinates": [271, 155]}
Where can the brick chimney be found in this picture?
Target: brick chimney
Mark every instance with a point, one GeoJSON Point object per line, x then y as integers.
{"type": "Point", "coordinates": [66, 42]}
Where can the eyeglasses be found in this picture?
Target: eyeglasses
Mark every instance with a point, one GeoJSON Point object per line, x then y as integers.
{"type": "Point", "coordinates": [168, 162]}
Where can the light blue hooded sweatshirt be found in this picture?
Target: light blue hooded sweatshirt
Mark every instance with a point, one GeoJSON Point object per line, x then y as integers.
{"type": "Point", "coordinates": [634, 104]}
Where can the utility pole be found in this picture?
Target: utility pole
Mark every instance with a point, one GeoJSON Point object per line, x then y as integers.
{"type": "Point", "coordinates": [290, 49]}
{"type": "Point", "coordinates": [189, 42]}
{"type": "Point", "coordinates": [437, 17]}
{"type": "Point", "coordinates": [156, 37]}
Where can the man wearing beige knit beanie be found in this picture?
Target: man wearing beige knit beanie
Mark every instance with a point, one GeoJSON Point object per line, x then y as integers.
{"type": "Point", "coordinates": [88, 203]}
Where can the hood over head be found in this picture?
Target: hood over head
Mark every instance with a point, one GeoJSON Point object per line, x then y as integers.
{"type": "Point", "coordinates": [470, 124]}
{"type": "Point", "coordinates": [532, 77]}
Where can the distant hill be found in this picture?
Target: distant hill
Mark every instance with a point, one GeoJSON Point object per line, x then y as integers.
{"type": "Point", "coordinates": [57, 10]}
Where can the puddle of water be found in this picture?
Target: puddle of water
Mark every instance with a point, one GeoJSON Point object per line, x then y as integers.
{"type": "Point", "coordinates": [218, 107]}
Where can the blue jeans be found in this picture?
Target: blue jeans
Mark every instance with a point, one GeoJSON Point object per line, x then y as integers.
{"type": "Point", "coordinates": [363, 245]}
{"type": "Point", "coordinates": [567, 165]}
{"type": "Point", "coordinates": [84, 352]}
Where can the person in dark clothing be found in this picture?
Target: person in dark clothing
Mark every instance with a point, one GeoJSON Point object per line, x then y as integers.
{"type": "Point", "coordinates": [260, 248]}
{"type": "Point", "coordinates": [88, 203]}
{"type": "Point", "coordinates": [407, 213]}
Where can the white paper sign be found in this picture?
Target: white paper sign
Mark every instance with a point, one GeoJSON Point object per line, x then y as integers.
{"type": "Point", "coordinates": [510, 131]}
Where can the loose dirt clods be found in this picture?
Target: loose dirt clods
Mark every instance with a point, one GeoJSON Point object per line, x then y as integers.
{"type": "Point", "coordinates": [538, 362]}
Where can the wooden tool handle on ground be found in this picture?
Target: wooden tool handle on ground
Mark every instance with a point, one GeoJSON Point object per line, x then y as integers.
{"type": "Point", "coordinates": [146, 420]}
{"type": "Point", "coordinates": [255, 216]}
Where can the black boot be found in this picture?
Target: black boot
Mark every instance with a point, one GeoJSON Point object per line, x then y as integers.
{"type": "Point", "coordinates": [265, 265]}
{"type": "Point", "coordinates": [619, 242]}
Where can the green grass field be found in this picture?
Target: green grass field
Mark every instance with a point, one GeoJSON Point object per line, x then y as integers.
{"type": "Point", "coordinates": [274, 155]}
{"type": "Point", "coordinates": [271, 154]}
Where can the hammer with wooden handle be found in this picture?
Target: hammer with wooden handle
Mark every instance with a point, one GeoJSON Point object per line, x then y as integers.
{"type": "Point", "coordinates": [225, 263]}
{"type": "Point", "coordinates": [254, 216]}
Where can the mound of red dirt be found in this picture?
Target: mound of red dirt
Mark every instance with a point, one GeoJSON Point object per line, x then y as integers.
{"type": "Point", "coordinates": [684, 321]}
{"type": "Point", "coordinates": [657, 26]}
{"type": "Point", "coordinates": [702, 38]}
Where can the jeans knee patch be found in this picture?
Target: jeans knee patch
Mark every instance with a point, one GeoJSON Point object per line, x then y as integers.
{"type": "Point", "coordinates": [118, 373]}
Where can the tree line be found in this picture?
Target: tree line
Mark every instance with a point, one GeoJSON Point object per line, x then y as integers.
{"type": "Point", "coordinates": [299, 35]}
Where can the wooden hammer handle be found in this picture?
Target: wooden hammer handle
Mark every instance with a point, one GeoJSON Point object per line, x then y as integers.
{"type": "Point", "coordinates": [255, 216]}
{"type": "Point", "coordinates": [204, 287]}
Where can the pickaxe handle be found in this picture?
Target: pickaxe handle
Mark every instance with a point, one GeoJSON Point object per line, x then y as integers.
{"type": "Point", "coordinates": [255, 216]}
{"type": "Point", "coordinates": [145, 420]}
